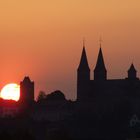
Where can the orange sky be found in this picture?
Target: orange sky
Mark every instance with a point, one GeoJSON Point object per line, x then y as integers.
{"type": "Point", "coordinates": [43, 39]}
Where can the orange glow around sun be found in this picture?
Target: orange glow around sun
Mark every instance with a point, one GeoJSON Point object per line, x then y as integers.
{"type": "Point", "coordinates": [10, 92]}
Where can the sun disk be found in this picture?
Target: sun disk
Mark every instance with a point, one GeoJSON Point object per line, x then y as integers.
{"type": "Point", "coordinates": [10, 92]}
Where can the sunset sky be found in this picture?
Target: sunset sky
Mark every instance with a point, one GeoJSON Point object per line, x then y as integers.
{"type": "Point", "coordinates": [43, 39]}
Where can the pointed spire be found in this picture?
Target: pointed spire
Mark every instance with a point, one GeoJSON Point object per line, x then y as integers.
{"type": "Point", "coordinates": [100, 61]}
{"type": "Point", "coordinates": [132, 73]}
{"type": "Point", "coordinates": [84, 62]}
{"type": "Point", "coordinates": [100, 72]}
{"type": "Point", "coordinates": [132, 68]}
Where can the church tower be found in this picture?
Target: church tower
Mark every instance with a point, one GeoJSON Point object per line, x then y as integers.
{"type": "Point", "coordinates": [132, 73]}
{"type": "Point", "coordinates": [83, 75]}
{"type": "Point", "coordinates": [100, 72]}
{"type": "Point", "coordinates": [27, 90]}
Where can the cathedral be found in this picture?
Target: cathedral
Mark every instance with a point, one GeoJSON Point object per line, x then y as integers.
{"type": "Point", "coordinates": [101, 86]}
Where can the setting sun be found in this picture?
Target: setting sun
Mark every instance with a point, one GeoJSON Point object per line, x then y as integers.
{"type": "Point", "coordinates": [10, 92]}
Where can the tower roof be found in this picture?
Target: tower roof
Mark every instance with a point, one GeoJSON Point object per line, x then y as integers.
{"type": "Point", "coordinates": [83, 62]}
{"type": "Point", "coordinates": [100, 65]}
{"type": "Point", "coordinates": [132, 68]}
{"type": "Point", "coordinates": [26, 79]}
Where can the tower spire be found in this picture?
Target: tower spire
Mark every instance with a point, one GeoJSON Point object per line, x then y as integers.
{"type": "Point", "coordinates": [132, 72]}
{"type": "Point", "coordinates": [83, 75]}
{"type": "Point", "coordinates": [100, 72]}
{"type": "Point", "coordinates": [100, 61]}
{"type": "Point", "coordinates": [83, 62]}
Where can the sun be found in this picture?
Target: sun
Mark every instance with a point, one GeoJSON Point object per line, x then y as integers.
{"type": "Point", "coordinates": [10, 92]}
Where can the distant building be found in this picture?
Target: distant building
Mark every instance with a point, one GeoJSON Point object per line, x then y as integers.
{"type": "Point", "coordinates": [101, 86]}
{"type": "Point", "coordinates": [27, 90]}
{"type": "Point", "coordinates": [112, 100]}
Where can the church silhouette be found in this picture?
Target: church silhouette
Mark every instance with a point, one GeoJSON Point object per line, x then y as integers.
{"type": "Point", "coordinates": [105, 109]}
{"type": "Point", "coordinates": [101, 86]}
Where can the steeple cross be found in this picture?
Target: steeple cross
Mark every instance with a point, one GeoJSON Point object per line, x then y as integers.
{"type": "Point", "coordinates": [100, 41]}
{"type": "Point", "coordinates": [84, 41]}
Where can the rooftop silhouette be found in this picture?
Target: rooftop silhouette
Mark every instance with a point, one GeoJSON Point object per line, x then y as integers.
{"type": "Point", "coordinates": [104, 109]}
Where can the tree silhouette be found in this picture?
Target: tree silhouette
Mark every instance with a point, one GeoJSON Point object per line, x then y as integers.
{"type": "Point", "coordinates": [41, 96]}
{"type": "Point", "coordinates": [56, 95]}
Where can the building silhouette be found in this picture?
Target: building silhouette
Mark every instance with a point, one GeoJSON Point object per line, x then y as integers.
{"type": "Point", "coordinates": [26, 90]}
{"type": "Point", "coordinates": [104, 109]}
{"type": "Point", "coordinates": [101, 86]}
